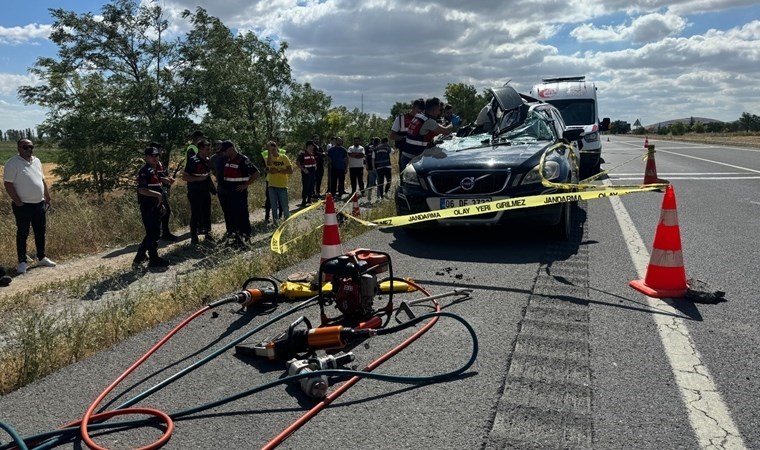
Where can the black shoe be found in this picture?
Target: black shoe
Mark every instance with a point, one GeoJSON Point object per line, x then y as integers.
{"type": "Point", "coordinates": [139, 259]}
{"type": "Point", "coordinates": [302, 205]}
{"type": "Point", "coordinates": [158, 262]}
{"type": "Point", "coordinates": [169, 237]}
{"type": "Point", "coordinates": [5, 280]}
{"type": "Point", "coordinates": [194, 241]}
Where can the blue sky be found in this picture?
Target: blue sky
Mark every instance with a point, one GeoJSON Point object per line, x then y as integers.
{"type": "Point", "coordinates": [651, 60]}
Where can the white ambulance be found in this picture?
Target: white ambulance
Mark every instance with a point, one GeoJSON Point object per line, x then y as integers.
{"type": "Point", "coordinates": [575, 98]}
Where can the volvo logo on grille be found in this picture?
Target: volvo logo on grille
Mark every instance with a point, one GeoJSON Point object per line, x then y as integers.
{"type": "Point", "coordinates": [467, 183]}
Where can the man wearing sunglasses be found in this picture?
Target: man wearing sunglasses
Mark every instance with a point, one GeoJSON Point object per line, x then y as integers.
{"type": "Point", "coordinates": [25, 183]}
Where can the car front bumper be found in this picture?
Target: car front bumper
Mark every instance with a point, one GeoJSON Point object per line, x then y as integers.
{"type": "Point", "coordinates": [412, 200]}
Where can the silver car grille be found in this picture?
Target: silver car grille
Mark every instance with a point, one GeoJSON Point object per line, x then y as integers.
{"type": "Point", "coordinates": [464, 183]}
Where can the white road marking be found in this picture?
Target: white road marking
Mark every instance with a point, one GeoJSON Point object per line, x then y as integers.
{"type": "Point", "coordinates": [690, 145]}
{"type": "Point", "coordinates": [678, 174]}
{"type": "Point", "coordinates": [708, 414]}
{"type": "Point", "coordinates": [669, 178]}
{"type": "Point", "coordinates": [711, 161]}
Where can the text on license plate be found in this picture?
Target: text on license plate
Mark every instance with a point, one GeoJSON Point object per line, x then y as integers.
{"type": "Point", "coordinates": [459, 202]}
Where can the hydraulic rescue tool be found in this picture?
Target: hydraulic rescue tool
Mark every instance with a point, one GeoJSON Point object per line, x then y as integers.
{"type": "Point", "coordinates": [294, 341]}
{"type": "Point", "coordinates": [316, 386]}
{"type": "Point", "coordinates": [250, 295]}
{"type": "Point", "coordinates": [354, 287]}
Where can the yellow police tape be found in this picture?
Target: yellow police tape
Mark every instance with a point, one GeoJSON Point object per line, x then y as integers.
{"type": "Point", "coordinates": [483, 208]}
{"type": "Point", "coordinates": [582, 190]}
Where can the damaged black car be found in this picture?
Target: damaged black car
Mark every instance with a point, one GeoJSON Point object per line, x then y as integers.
{"type": "Point", "coordinates": [496, 158]}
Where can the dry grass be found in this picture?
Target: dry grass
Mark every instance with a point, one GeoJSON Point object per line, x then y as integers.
{"type": "Point", "coordinates": [44, 329]}
{"type": "Point", "coordinates": [738, 139]}
{"type": "Point", "coordinates": [40, 340]}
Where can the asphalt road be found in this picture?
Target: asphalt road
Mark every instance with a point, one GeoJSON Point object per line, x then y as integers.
{"type": "Point", "coordinates": [569, 355]}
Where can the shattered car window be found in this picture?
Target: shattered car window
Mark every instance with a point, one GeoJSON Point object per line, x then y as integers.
{"type": "Point", "coordinates": [535, 128]}
{"type": "Point", "coordinates": [508, 119]}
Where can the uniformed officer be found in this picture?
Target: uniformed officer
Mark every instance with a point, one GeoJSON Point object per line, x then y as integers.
{"type": "Point", "coordinates": [192, 147]}
{"type": "Point", "coordinates": [150, 199]}
{"type": "Point", "coordinates": [216, 163]}
{"type": "Point", "coordinates": [238, 174]}
{"type": "Point", "coordinates": [199, 190]}
{"type": "Point", "coordinates": [166, 185]}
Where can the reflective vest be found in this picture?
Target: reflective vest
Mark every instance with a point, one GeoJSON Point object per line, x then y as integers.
{"type": "Point", "coordinates": [234, 171]}
{"type": "Point", "coordinates": [416, 143]}
{"type": "Point", "coordinates": [199, 167]}
{"type": "Point", "coordinates": [403, 126]}
{"type": "Point", "coordinates": [382, 155]}
{"type": "Point", "coordinates": [147, 177]}
{"type": "Point", "coordinates": [308, 161]}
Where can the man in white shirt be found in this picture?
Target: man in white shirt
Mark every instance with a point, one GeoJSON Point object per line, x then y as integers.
{"type": "Point", "coordinates": [356, 166]}
{"type": "Point", "coordinates": [25, 183]}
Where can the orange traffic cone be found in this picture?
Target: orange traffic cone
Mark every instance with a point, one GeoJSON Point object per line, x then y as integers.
{"type": "Point", "coordinates": [331, 246]}
{"type": "Point", "coordinates": [355, 211]}
{"type": "Point", "coordinates": [646, 142]}
{"type": "Point", "coordinates": [665, 276]}
{"type": "Point", "coordinates": [650, 172]}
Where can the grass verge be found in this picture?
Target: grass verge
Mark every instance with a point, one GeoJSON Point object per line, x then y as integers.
{"type": "Point", "coordinates": [40, 340]}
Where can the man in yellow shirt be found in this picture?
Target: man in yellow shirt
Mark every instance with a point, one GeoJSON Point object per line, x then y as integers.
{"type": "Point", "coordinates": [278, 173]}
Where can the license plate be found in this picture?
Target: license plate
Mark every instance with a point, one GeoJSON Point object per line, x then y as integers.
{"type": "Point", "coordinates": [459, 202]}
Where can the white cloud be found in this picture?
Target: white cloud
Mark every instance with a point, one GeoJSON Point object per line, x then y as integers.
{"type": "Point", "coordinates": [10, 82]}
{"type": "Point", "coordinates": [20, 35]}
{"type": "Point", "coordinates": [648, 28]}
{"type": "Point", "coordinates": [392, 50]}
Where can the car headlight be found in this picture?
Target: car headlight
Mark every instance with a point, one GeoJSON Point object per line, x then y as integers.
{"type": "Point", "coordinates": [409, 175]}
{"type": "Point", "coordinates": [591, 137]}
{"type": "Point", "coordinates": [551, 171]}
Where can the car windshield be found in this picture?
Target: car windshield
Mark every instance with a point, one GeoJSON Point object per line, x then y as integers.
{"type": "Point", "coordinates": [534, 128]}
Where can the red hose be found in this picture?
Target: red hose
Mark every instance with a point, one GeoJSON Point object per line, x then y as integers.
{"type": "Point", "coordinates": [88, 416]}
{"type": "Point", "coordinates": [353, 380]}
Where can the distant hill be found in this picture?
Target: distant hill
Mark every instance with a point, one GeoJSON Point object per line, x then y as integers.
{"type": "Point", "coordinates": [686, 121]}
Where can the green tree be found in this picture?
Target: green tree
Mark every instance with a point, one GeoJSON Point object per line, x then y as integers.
{"type": "Point", "coordinates": [243, 80]}
{"type": "Point", "coordinates": [678, 129]}
{"type": "Point", "coordinates": [749, 122]}
{"type": "Point", "coordinates": [307, 110]}
{"type": "Point", "coordinates": [119, 58]}
{"type": "Point", "coordinates": [399, 108]}
{"type": "Point", "coordinates": [465, 100]}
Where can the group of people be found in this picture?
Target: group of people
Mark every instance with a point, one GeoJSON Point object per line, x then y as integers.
{"type": "Point", "coordinates": [374, 158]}
{"type": "Point", "coordinates": [234, 172]}
{"type": "Point", "coordinates": [411, 133]}
{"type": "Point", "coordinates": [416, 130]}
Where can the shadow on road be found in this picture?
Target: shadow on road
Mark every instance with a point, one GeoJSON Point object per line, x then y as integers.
{"type": "Point", "coordinates": [506, 244]}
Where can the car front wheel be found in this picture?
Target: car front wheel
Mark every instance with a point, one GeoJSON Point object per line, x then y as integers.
{"type": "Point", "coordinates": [562, 230]}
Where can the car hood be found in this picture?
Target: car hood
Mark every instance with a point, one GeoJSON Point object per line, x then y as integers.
{"type": "Point", "coordinates": [469, 153]}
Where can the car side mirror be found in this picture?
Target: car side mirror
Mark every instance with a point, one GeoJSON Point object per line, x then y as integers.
{"type": "Point", "coordinates": [572, 135]}
{"type": "Point", "coordinates": [605, 124]}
